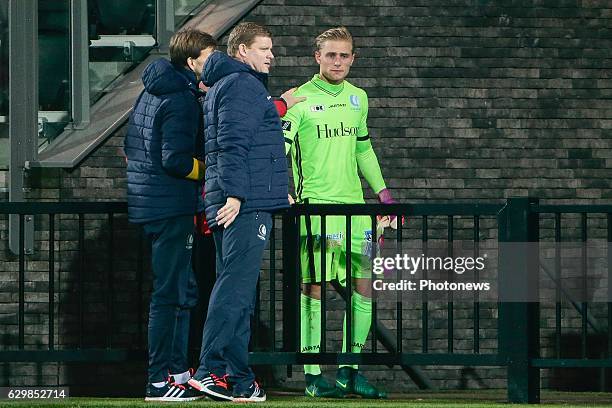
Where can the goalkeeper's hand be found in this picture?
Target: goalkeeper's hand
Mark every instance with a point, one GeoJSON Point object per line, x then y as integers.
{"type": "Point", "coordinates": [384, 221]}
{"type": "Point", "coordinates": [384, 197]}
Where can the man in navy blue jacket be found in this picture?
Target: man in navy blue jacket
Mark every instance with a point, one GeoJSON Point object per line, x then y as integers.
{"type": "Point", "coordinates": [246, 179]}
{"type": "Point", "coordinates": [164, 150]}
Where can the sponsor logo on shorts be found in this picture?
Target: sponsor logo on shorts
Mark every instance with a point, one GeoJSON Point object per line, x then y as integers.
{"type": "Point", "coordinates": [338, 236]}
{"type": "Point", "coordinates": [332, 240]}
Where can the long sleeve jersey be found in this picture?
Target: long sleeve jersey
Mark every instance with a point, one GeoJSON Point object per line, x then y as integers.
{"type": "Point", "coordinates": [328, 138]}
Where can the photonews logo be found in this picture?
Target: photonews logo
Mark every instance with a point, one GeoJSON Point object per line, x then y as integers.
{"type": "Point", "coordinates": [326, 131]}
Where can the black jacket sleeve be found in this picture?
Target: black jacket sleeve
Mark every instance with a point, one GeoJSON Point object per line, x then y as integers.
{"type": "Point", "coordinates": [179, 126]}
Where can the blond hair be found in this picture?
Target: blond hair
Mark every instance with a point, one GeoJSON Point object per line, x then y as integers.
{"type": "Point", "coordinates": [333, 34]}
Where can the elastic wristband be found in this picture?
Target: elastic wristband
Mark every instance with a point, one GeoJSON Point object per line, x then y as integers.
{"type": "Point", "coordinates": [195, 171]}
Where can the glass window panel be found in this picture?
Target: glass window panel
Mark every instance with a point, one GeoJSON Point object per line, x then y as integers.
{"type": "Point", "coordinates": [4, 141]}
{"type": "Point", "coordinates": [4, 146]}
{"type": "Point", "coordinates": [183, 10]}
{"type": "Point", "coordinates": [123, 16]}
{"type": "Point", "coordinates": [4, 57]}
{"type": "Point", "coordinates": [53, 68]}
{"type": "Point", "coordinates": [121, 36]}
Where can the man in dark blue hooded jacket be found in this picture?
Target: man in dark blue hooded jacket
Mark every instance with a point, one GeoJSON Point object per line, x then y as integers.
{"type": "Point", "coordinates": [246, 179]}
{"type": "Point", "coordinates": [164, 150]}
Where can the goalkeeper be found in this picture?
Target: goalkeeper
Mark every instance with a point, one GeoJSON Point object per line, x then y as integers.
{"type": "Point", "coordinates": [328, 139]}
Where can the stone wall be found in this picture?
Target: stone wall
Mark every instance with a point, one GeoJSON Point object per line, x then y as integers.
{"type": "Point", "coordinates": [469, 101]}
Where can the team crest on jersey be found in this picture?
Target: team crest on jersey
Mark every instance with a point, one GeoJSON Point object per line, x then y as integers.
{"type": "Point", "coordinates": [354, 99]}
{"type": "Point", "coordinates": [286, 125]}
{"type": "Point", "coordinates": [317, 108]}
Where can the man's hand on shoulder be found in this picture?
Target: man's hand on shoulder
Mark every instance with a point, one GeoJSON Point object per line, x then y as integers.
{"type": "Point", "coordinates": [228, 213]}
{"type": "Point", "coordinates": [290, 99]}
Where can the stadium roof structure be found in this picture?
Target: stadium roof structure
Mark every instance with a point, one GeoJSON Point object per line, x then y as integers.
{"type": "Point", "coordinates": [76, 142]}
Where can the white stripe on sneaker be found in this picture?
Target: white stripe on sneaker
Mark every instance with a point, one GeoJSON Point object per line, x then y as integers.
{"type": "Point", "coordinates": [198, 385]}
{"type": "Point", "coordinates": [258, 395]}
{"type": "Point", "coordinates": [218, 395]}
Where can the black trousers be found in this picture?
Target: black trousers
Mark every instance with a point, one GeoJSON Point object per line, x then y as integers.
{"type": "Point", "coordinates": [204, 269]}
{"type": "Point", "coordinates": [175, 293]}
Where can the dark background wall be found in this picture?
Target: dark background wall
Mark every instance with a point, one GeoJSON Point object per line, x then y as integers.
{"type": "Point", "coordinates": [469, 100]}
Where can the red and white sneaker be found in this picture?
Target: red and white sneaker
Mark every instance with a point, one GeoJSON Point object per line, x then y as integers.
{"type": "Point", "coordinates": [252, 394]}
{"type": "Point", "coordinates": [171, 392]}
{"type": "Point", "coordinates": [215, 387]}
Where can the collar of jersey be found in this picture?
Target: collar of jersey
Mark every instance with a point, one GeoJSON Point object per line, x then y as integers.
{"type": "Point", "coordinates": [333, 90]}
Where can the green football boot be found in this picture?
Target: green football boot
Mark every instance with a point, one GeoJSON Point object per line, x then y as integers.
{"type": "Point", "coordinates": [349, 381]}
{"type": "Point", "coordinates": [317, 387]}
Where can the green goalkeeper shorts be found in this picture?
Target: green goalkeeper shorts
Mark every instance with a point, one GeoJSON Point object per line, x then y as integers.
{"type": "Point", "coordinates": [335, 258]}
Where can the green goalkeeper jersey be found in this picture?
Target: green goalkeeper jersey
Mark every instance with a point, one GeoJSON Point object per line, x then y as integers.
{"type": "Point", "coordinates": [322, 133]}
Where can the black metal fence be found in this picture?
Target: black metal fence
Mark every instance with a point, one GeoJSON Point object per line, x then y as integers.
{"type": "Point", "coordinates": [518, 324]}
{"type": "Point", "coordinates": [97, 220]}
{"type": "Point", "coordinates": [393, 352]}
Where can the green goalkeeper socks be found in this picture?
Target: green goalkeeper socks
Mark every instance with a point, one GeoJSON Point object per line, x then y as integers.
{"type": "Point", "coordinates": [362, 319]}
{"type": "Point", "coordinates": [311, 327]}
{"type": "Point", "coordinates": [311, 330]}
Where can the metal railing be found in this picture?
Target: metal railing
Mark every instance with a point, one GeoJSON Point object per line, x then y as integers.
{"type": "Point", "coordinates": [588, 323]}
{"type": "Point", "coordinates": [276, 339]}
{"type": "Point", "coordinates": [395, 353]}
{"type": "Point", "coordinates": [79, 350]}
